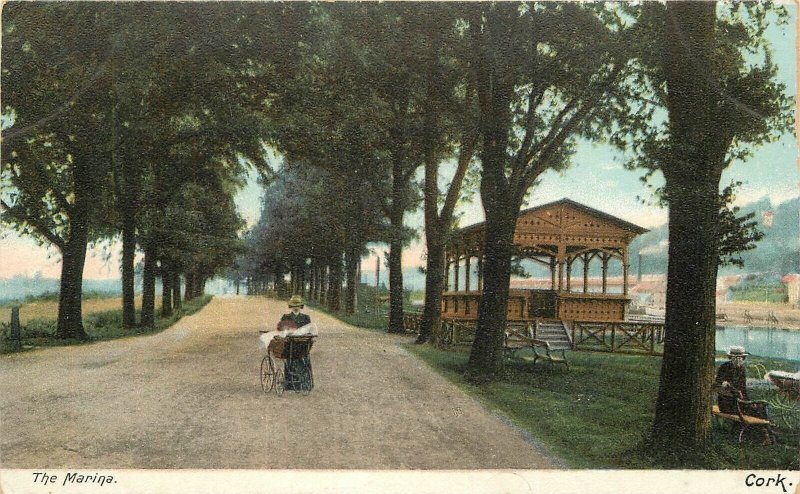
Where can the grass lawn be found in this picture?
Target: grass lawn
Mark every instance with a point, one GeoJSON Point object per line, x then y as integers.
{"type": "Point", "coordinates": [374, 317]}
{"type": "Point", "coordinates": [48, 308]}
{"type": "Point", "coordinates": [596, 414]}
{"type": "Point", "coordinates": [99, 322]}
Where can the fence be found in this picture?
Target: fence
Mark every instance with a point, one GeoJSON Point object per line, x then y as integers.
{"type": "Point", "coordinates": [451, 331]}
{"type": "Point", "coordinates": [615, 337]}
{"type": "Point", "coordinates": [625, 337]}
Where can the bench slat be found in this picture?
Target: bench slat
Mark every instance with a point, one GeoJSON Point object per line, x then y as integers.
{"type": "Point", "coordinates": [748, 420]}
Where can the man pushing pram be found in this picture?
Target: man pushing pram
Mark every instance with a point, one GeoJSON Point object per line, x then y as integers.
{"type": "Point", "coordinates": [291, 342]}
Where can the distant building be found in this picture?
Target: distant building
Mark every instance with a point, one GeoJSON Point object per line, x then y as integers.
{"type": "Point", "coordinates": [724, 292]}
{"type": "Point", "coordinates": [792, 282]}
{"type": "Point", "coordinates": [651, 291]}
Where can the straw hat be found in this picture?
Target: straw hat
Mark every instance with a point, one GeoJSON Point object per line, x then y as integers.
{"type": "Point", "coordinates": [737, 351]}
{"type": "Point", "coordinates": [296, 301]}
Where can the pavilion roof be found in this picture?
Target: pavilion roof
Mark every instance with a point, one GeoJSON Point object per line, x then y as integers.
{"type": "Point", "coordinates": [625, 225]}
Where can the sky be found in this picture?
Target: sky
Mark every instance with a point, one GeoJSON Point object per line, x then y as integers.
{"type": "Point", "coordinates": [596, 179]}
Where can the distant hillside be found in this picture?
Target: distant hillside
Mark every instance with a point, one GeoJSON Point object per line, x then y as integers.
{"type": "Point", "coordinates": [778, 252]}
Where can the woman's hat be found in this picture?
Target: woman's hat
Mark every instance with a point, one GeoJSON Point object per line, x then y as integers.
{"type": "Point", "coordinates": [296, 301]}
{"type": "Point", "coordinates": [737, 351]}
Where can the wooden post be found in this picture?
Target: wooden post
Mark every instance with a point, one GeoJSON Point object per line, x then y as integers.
{"type": "Point", "coordinates": [553, 273]}
{"type": "Point", "coordinates": [613, 333]}
{"type": "Point", "coordinates": [446, 273]}
{"type": "Point", "coordinates": [466, 272]}
{"type": "Point", "coordinates": [625, 267]}
{"type": "Point", "coordinates": [560, 273]}
{"type": "Point", "coordinates": [569, 275]}
{"type": "Point", "coordinates": [586, 259]}
{"type": "Point", "coordinates": [604, 257]}
{"type": "Point", "coordinates": [456, 264]}
{"type": "Point", "coordinates": [480, 273]}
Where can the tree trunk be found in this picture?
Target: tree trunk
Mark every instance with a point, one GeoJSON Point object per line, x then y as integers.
{"type": "Point", "coordinates": [302, 271]}
{"type": "Point", "coordinates": [323, 285]}
{"type": "Point", "coordinates": [486, 355]}
{"type": "Point", "coordinates": [149, 288]}
{"type": "Point", "coordinates": [501, 199]}
{"type": "Point", "coordinates": [434, 286]}
{"type": "Point", "coordinates": [351, 265]}
{"type": "Point", "coordinates": [187, 291]}
{"type": "Point", "coordinates": [681, 427]}
{"type": "Point", "coordinates": [128, 258]}
{"type": "Point", "coordinates": [166, 290]}
{"type": "Point", "coordinates": [73, 258]}
{"type": "Point", "coordinates": [395, 257]}
{"type": "Point", "coordinates": [176, 290]}
{"type": "Point", "coordinates": [335, 284]}
{"type": "Point", "coordinates": [682, 420]}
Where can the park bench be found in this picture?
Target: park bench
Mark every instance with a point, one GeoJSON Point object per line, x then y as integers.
{"type": "Point", "coordinates": [549, 346]}
{"type": "Point", "coordinates": [746, 423]}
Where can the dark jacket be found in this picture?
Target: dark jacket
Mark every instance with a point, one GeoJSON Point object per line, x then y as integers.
{"type": "Point", "coordinates": [290, 321]}
{"type": "Point", "coordinates": [726, 398]}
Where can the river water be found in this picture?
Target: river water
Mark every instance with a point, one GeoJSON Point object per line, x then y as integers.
{"type": "Point", "coordinates": [763, 342]}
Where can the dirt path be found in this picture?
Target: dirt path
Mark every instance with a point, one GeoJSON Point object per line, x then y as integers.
{"type": "Point", "coordinates": [786, 317]}
{"type": "Point", "coordinates": [190, 397]}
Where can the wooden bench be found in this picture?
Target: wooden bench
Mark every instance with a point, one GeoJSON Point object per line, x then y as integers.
{"type": "Point", "coordinates": [518, 338]}
{"type": "Point", "coordinates": [746, 422]}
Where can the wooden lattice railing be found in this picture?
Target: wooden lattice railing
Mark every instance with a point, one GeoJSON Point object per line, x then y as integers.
{"type": "Point", "coordinates": [603, 336]}
{"type": "Point", "coordinates": [633, 337]}
{"type": "Point", "coordinates": [451, 332]}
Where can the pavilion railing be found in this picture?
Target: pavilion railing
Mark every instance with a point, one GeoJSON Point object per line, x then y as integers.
{"type": "Point", "coordinates": [617, 337]}
{"type": "Point", "coordinates": [451, 332]}
{"type": "Point", "coordinates": [624, 337]}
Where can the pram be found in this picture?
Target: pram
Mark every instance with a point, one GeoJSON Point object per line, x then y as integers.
{"type": "Point", "coordinates": [287, 365]}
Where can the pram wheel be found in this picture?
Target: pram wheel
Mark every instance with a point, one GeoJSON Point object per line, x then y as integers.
{"type": "Point", "coordinates": [305, 383]}
{"type": "Point", "coordinates": [267, 374]}
{"type": "Point", "coordinates": [279, 383]}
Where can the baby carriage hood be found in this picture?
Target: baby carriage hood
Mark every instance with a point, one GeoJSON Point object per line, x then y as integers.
{"type": "Point", "coordinates": [266, 338]}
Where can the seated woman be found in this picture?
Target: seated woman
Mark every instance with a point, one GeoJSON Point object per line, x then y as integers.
{"type": "Point", "coordinates": [731, 386]}
{"type": "Point", "coordinates": [293, 370]}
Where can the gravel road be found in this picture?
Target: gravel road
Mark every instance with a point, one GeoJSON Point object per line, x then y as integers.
{"type": "Point", "coordinates": [190, 397]}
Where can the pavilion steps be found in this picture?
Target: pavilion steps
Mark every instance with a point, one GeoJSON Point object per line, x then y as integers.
{"type": "Point", "coordinates": [555, 333]}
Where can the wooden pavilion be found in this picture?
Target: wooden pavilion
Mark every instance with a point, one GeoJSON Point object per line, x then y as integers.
{"type": "Point", "coordinates": [557, 235]}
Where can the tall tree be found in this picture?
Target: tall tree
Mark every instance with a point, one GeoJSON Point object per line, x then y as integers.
{"type": "Point", "coordinates": [362, 124]}
{"type": "Point", "coordinates": [55, 155]}
{"type": "Point", "coordinates": [720, 99]}
{"type": "Point", "coordinates": [545, 73]}
{"type": "Point", "coordinates": [449, 132]}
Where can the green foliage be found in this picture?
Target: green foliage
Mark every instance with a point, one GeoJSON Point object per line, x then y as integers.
{"type": "Point", "coordinates": [750, 106]}
{"type": "Point", "coordinates": [55, 164]}
{"type": "Point", "coordinates": [738, 233]}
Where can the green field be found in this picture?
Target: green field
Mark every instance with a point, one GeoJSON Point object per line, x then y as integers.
{"type": "Point", "coordinates": [102, 320]}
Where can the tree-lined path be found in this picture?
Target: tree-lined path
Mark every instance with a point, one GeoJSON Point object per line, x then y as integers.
{"type": "Point", "coordinates": [190, 397]}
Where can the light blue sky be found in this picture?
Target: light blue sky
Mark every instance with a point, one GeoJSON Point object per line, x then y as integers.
{"type": "Point", "coordinates": [596, 179]}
